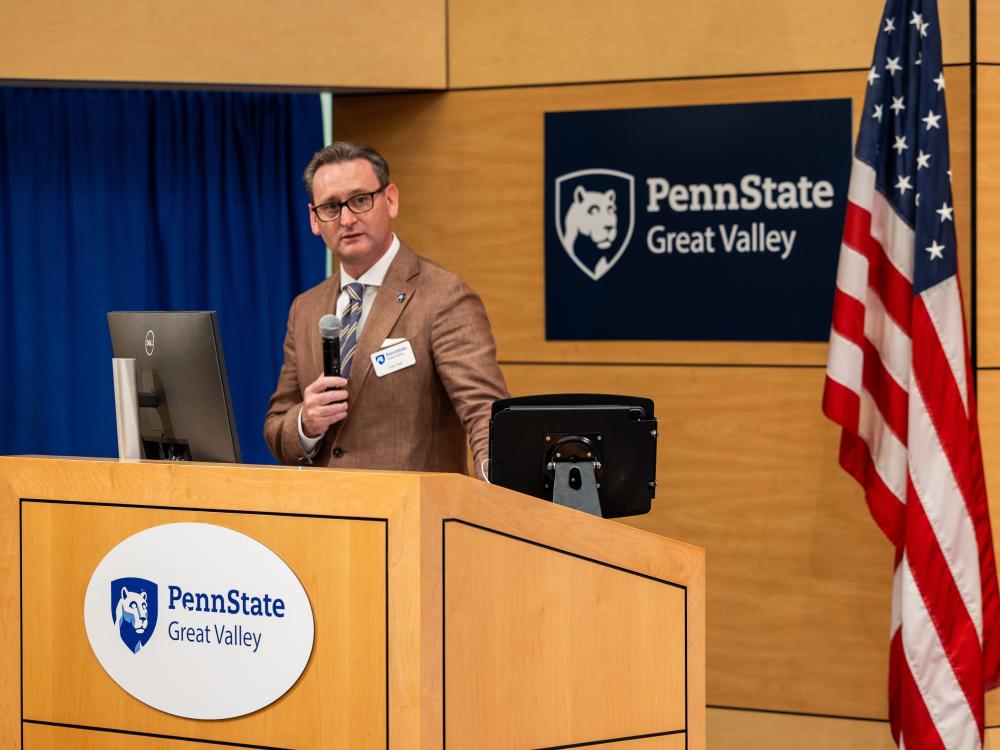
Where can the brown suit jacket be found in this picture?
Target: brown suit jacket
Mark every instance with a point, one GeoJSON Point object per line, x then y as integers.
{"type": "Point", "coordinates": [416, 418]}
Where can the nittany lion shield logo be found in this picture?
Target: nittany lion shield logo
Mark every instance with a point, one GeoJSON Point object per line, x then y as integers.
{"type": "Point", "coordinates": [595, 215]}
{"type": "Point", "coordinates": [133, 610]}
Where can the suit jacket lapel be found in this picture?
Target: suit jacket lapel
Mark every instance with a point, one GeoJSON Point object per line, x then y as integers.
{"type": "Point", "coordinates": [384, 313]}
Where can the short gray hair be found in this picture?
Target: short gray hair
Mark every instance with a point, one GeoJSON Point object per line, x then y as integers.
{"type": "Point", "coordinates": [341, 151]}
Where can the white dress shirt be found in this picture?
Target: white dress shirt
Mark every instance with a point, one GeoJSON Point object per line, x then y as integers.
{"type": "Point", "coordinates": [372, 279]}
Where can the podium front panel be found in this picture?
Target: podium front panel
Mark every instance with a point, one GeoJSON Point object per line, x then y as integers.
{"type": "Point", "coordinates": [340, 699]}
{"type": "Point", "coordinates": [547, 648]}
{"type": "Point", "coordinates": [43, 737]}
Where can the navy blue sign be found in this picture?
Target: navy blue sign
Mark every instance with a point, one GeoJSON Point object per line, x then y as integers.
{"type": "Point", "coordinates": [717, 223]}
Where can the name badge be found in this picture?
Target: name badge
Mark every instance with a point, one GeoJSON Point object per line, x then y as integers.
{"type": "Point", "coordinates": [392, 358]}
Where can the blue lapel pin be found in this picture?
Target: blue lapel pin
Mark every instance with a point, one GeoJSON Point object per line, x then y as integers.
{"type": "Point", "coordinates": [400, 297]}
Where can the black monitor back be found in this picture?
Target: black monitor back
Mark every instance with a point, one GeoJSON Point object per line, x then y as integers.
{"type": "Point", "coordinates": [185, 408]}
{"type": "Point", "coordinates": [620, 431]}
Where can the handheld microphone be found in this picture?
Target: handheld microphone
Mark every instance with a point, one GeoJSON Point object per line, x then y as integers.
{"type": "Point", "coordinates": [329, 331]}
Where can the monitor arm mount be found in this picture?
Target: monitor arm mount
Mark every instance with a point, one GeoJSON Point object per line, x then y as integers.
{"type": "Point", "coordinates": [156, 442]}
{"type": "Point", "coordinates": [574, 471]}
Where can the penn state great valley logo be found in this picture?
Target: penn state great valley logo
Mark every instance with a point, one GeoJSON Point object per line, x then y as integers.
{"type": "Point", "coordinates": [595, 216]}
{"type": "Point", "coordinates": [235, 628]}
{"type": "Point", "coordinates": [134, 610]}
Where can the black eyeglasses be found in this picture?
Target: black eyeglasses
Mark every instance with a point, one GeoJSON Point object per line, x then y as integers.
{"type": "Point", "coordinates": [358, 204]}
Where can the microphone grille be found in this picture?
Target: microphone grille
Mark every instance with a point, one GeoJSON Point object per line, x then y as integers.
{"type": "Point", "coordinates": [329, 326]}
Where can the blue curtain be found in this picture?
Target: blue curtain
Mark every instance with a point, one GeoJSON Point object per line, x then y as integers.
{"type": "Point", "coordinates": [145, 200]}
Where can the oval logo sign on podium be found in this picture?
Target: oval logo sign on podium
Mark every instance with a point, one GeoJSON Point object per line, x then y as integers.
{"type": "Point", "coordinates": [198, 620]}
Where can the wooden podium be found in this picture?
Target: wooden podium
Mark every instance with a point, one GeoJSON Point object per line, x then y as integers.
{"type": "Point", "coordinates": [449, 613]}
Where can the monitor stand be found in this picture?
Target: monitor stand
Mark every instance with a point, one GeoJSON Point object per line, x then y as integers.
{"type": "Point", "coordinates": [575, 486]}
{"type": "Point", "coordinates": [162, 449]}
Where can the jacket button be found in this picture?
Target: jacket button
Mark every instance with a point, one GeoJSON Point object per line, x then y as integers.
{"type": "Point", "coordinates": [337, 453]}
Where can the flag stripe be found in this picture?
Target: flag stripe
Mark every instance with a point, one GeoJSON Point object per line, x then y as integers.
{"type": "Point", "coordinates": [889, 231]}
{"type": "Point", "coordinates": [951, 619]}
{"type": "Point", "coordinates": [932, 673]}
{"type": "Point", "coordinates": [891, 400]}
{"type": "Point", "coordinates": [852, 272]}
{"type": "Point", "coordinates": [849, 316]}
{"type": "Point", "coordinates": [945, 508]}
{"type": "Point", "coordinates": [931, 369]}
{"type": "Point", "coordinates": [861, 189]}
{"type": "Point", "coordinates": [893, 235]}
{"type": "Point", "coordinates": [943, 305]}
{"type": "Point", "coordinates": [847, 368]}
{"type": "Point", "coordinates": [894, 288]}
{"type": "Point", "coordinates": [917, 731]}
{"type": "Point", "coordinates": [890, 341]}
{"type": "Point", "coordinates": [897, 673]}
{"type": "Point", "coordinates": [888, 454]}
{"type": "Point", "coordinates": [886, 508]}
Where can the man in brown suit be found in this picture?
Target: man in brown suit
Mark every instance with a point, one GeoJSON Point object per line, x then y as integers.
{"type": "Point", "coordinates": [402, 416]}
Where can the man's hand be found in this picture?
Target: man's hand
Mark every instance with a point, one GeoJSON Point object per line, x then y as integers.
{"type": "Point", "coordinates": [322, 407]}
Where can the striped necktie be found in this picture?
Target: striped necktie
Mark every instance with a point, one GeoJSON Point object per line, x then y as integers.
{"type": "Point", "coordinates": [349, 332]}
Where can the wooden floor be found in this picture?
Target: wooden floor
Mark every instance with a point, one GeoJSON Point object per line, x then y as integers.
{"type": "Point", "coordinates": [735, 729]}
{"type": "Point", "coordinates": [759, 730]}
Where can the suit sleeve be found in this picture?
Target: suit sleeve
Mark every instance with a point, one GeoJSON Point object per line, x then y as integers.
{"type": "Point", "coordinates": [465, 357]}
{"type": "Point", "coordinates": [281, 423]}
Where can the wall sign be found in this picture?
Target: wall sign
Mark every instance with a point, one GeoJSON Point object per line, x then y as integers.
{"type": "Point", "coordinates": [198, 620]}
{"type": "Point", "coordinates": [714, 222]}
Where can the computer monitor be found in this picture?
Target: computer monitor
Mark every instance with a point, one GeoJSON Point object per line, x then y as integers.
{"type": "Point", "coordinates": [595, 453]}
{"type": "Point", "coordinates": [185, 411]}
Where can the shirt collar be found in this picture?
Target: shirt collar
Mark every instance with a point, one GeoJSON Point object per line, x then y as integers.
{"type": "Point", "coordinates": [375, 275]}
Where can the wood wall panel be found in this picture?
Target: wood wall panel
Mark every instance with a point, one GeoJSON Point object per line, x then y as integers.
{"type": "Point", "coordinates": [382, 43]}
{"type": "Point", "coordinates": [753, 730]}
{"type": "Point", "coordinates": [988, 224]}
{"type": "Point", "coordinates": [988, 31]}
{"type": "Point", "coordinates": [564, 41]}
{"type": "Point", "coordinates": [988, 394]}
{"type": "Point", "coordinates": [799, 576]}
{"type": "Point", "coordinates": [988, 383]}
{"type": "Point", "coordinates": [470, 169]}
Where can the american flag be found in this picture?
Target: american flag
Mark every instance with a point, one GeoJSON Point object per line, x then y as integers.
{"type": "Point", "coordinates": [900, 383]}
